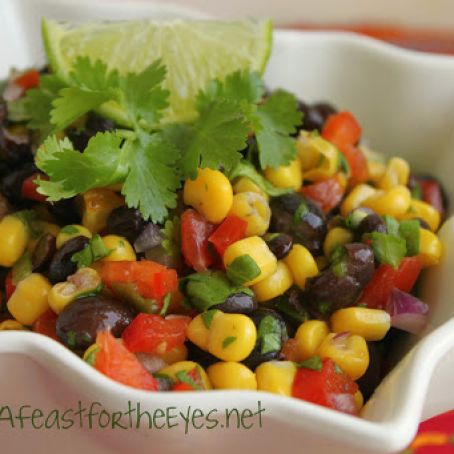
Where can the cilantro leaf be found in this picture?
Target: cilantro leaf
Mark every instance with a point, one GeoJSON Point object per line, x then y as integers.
{"type": "Point", "coordinates": [314, 363]}
{"type": "Point", "coordinates": [409, 229]}
{"type": "Point", "coordinates": [93, 76]}
{"type": "Point", "coordinates": [274, 121]}
{"type": "Point", "coordinates": [38, 103]}
{"type": "Point", "coordinates": [269, 333]}
{"type": "Point", "coordinates": [70, 172]}
{"type": "Point", "coordinates": [152, 181]}
{"type": "Point", "coordinates": [243, 269]}
{"type": "Point", "coordinates": [93, 251]}
{"type": "Point", "coordinates": [227, 341]}
{"type": "Point", "coordinates": [214, 139]}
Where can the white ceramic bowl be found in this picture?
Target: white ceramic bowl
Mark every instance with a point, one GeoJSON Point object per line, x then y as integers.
{"type": "Point", "coordinates": [405, 101]}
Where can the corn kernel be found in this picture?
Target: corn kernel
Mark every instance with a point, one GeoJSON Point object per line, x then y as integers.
{"type": "Point", "coordinates": [394, 202]}
{"type": "Point", "coordinates": [396, 173]}
{"type": "Point", "coordinates": [29, 300]}
{"type": "Point", "coordinates": [301, 264]}
{"type": "Point", "coordinates": [13, 240]}
{"type": "Point", "coordinates": [424, 211]}
{"type": "Point", "coordinates": [349, 351]}
{"type": "Point", "coordinates": [289, 176]}
{"type": "Point", "coordinates": [309, 337]}
{"type": "Point", "coordinates": [359, 400]}
{"type": "Point", "coordinates": [376, 170]}
{"type": "Point", "coordinates": [276, 284]}
{"type": "Point", "coordinates": [211, 194]}
{"type": "Point", "coordinates": [337, 236]}
{"type": "Point", "coordinates": [197, 331]}
{"type": "Point", "coordinates": [97, 204]}
{"type": "Point", "coordinates": [254, 209]}
{"type": "Point", "coordinates": [276, 377]}
{"type": "Point", "coordinates": [231, 375]}
{"type": "Point", "coordinates": [71, 231]}
{"type": "Point", "coordinates": [172, 371]}
{"type": "Point", "coordinates": [176, 355]}
{"type": "Point", "coordinates": [356, 197]}
{"type": "Point", "coordinates": [372, 324]}
{"type": "Point", "coordinates": [121, 249]}
{"type": "Point", "coordinates": [244, 184]}
{"type": "Point", "coordinates": [11, 325]}
{"type": "Point", "coordinates": [232, 337]}
{"type": "Point", "coordinates": [256, 248]}
{"type": "Point", "coordinates": [430, 248]}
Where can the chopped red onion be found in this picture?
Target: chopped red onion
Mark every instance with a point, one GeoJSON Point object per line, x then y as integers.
{"type": "Point", "coordinates": [407, 312]}
{"type": "Point", "coordinates": [344, 402]}
{"type": "Point", "coordinates": [151, 363]}
{"type": "Point", "coordinates": [150, 237]}
{"type": "Point", "coordinates": [12, 92]}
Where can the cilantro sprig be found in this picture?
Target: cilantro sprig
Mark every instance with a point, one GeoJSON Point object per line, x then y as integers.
{"type": "Point", "coordinates": [151, 159]}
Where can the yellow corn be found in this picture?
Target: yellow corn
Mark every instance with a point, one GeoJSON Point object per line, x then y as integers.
{"type": "Point", "coordinates": [121, 249]}
{"type": "Point", "coordinates": [254, 209]}
{"type": "Point", "coordinates": [177, 354]}
{"type": "Point", "coordinates": [430, 248]}
{"type": "Point", "coordinates": [356, 197]}
{"type": "Point", "coordinates": [376, 170]}
{"type": "Point", "coordinates": [309, 337]}
{"type": "Point", "coordinates": [319, 158]}
{"type": "Point", "coordinates": [244, 184]}
{"type": "Point", "coordinates": [11, 325]}
{"type": "Point", "coordinates": [256, 248]}
{"type": "Point", "coordinates": [172, 371]}
{"type": "Point", "coordinates": [71, 231]}
{"type": "Point", "coordinates": [90, 354]}
{"type": "Point", "coordinates": [232, 337]}
{"type": "Point", "coordinates": [289, 176]}
{"type": "Point", "coordinates": [13, 240]}
{"type": "Point", "coordinates": [231, 375]}
{"type": "Point", "coordinates": [197, 331]}
{"type": "Point", "coordinates": [336, 237]}
{"type": "Point", "coordinates": [349, 351]}
{"type": "Point", "coordinates": [359, 400]}
{"type": "Point", "coordinates": [372, 324]}
{"type": "Point", "coordinates": [276, 377]}
{"type": "Point", "coordinates": [396, 173]}
{"type": "Point", "coordinates": [301, 264]}
{"type": "Point", "coordinates": [276, 284]}
{"type": "Point", "coordinates": [29, 300]}
{"type": "Point", "coordinates": [393, 202]}
{"type": "Point", "coordinates": [97, 204]}
{"type": "Point", "coordinates": [211, 194]}
{"type": "Point", "coordinates": [425, 211]}
{"type": "Point", "coordinates": [85, 280]}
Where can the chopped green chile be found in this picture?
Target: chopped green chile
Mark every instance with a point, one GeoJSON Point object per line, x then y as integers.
{"type": "Point", "coordinates": [128, 292]}
{"type": "Point", "coordinates": [22, 268]}
{"type": "Point", "coordinates": [242, 270]}
{"type": "Point", "coordinates": [338, 261]}
{"type": "Point", "coordinates": [314, 363]}
{"type": "Point", "coordinates": [389, 249]}
{"type": "Point", "coordinates": [409, 229]}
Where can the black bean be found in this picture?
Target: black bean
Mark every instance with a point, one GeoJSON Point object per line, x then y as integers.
{"type": "Point", "coordinates": [291, 307]}
{"type": "Point", "coordinates": [315, 115]}
{"type": "Point", "coordinates": [15, 146]}
{"type": "Point", "coordinates": [150, 237]}
{"type": "Point", "coordinates": [371, 223]}
{"type": "Point", "coordinates": [126, 222]}
{"type": "Point", "coordinates": [360, 262]}
{"type": "Point", "coordinates": [280, 244]}
{"type": "Point", "coordinates": [65, 211]}
{"type": "Point", "coordinates": [44, 251]}
{"type": "Point", "coordinates": [372, 378]}
{"type": "Point", "coordinates": [202, 357]}
{"type": "Point", "coordinates": [238, 303]}
{"type": "Point", "coordinates": [61, 265]}
{"type": "Point", "coordinates": [12, 182]}
{"type": "Point", "coordinates": [80, 321]}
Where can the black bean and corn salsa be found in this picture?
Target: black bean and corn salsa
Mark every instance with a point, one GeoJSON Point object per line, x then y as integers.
{"type": "Point", "coordinates": [255, 244]}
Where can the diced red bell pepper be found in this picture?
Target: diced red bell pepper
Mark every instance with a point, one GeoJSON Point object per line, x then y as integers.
{"type": "Point", "coordinates": [232, 229]}
{"type": "Point", "coordinates": [357, 163]}
{"type": "Point", "coordinates": [379, 288]}
{"type": "Point", "coordinates": [46, 324]}
{"type": "Point", "coordinates": [117, 362]}
{"type": "Point", "coordinates": [195, 231]}
{"type": "Point", "coordinates": [28, 80]}
{"type": "Point", "coordinates": [326, 193]}
{"type": "Point", "coordinates": [152, 279]}
{"type": "Point", "coordinates": [149, 333]}
{"type": "Point", "coordinates": [329, 387]}
{"type": "Point", "coordinates": [29, 188]}
{"type": "Point", "coordinates": [342, 129]}
{"type": "Point", "coordinates": [9, 285]}
{"type": "Point", "coordinates": [431, 194]}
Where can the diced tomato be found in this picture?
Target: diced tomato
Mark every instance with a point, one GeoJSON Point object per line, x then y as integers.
{"type": "Point", "coordinates": [386, 278]}
{"type": "Point", "coordinates": [117, 362]}
{"type": "Point", "coordinates": [431, 194]}
{"type": "Point", "coordinates": [357, 163]}
{"type": "Point", "coordinates": [149, 333]}
{"type": "Point", "coordinates": [9, 285]}
{"type": "Point", "coordinates": [329, 387]}
{"type": "Point", "coordinates": [193, 383]}
{"type": "Point", "coordinates": [195, 231]}
{"type": "Point", "coordinates": [28, 80]}
{"type": "Point", "coordinates": [46, 324]}
{"type": "Point", "coordinates": [152, 279]}
{"type": "Point", "coordinates": [326, 193]}
{"type": "Point", "coordinates": [29, 188]}
{"type": "Point", "coordinates": [342, 129]}
{"type": "Point", "coordinates": [232, 229]}
{"type": "Point", "coordinates": [182, 386]}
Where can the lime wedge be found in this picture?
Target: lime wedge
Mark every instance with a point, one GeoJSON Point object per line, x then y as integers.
{"type": "Point", "coordinates": [194, 53]}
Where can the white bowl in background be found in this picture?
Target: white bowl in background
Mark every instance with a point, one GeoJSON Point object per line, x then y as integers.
{"type": "Point", "coordinates": [405, 102]}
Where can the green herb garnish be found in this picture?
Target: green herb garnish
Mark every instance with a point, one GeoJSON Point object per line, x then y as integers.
{"type": "Point", "coordinates": [227, 341]}
{"type": "Point", "coordinates": [243, 269]}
